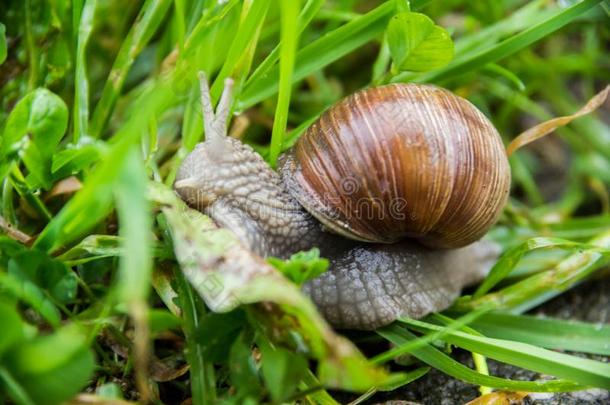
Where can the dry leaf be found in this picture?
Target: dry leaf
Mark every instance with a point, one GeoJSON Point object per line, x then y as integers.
{"type": "Point", "coordinates": [69, 185]}
{"type": "Point", "coordinates": [167, 369]}
{"type": "Point", "coordinates": [549, 126]}
{"type": "Point", "coordinates": [500, 398]}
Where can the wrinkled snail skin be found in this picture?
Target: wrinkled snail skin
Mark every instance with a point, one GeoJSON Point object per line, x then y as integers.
{"type": "Point", "coordinates": [367, 284]}
{"type": "Point", "coordinates": [238, 189]}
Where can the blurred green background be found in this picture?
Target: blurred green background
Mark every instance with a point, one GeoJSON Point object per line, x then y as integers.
{"type": "Point", "coordinates": [99, 103]}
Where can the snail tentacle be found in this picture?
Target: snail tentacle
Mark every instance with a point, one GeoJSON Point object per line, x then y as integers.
{"type": "Point", "coordinates": [215, 123]}
{"type": "Point", "coordinates": [224, 107]}
{"type": "Point", "coordinates": [206, 105]}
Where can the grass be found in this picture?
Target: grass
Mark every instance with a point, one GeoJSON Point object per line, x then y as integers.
{"type": "Point", "coordinates": [106, 288]}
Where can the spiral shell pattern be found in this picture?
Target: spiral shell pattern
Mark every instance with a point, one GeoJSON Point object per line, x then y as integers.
{"type": "Point", "coordinates": [403, 160]}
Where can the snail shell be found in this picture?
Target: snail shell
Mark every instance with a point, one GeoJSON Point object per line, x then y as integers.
{"type": "Point", "coordinates": [403, 160]}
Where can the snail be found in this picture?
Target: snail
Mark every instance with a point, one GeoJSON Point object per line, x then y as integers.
{"type": "Point", "coordinates": [396, 185]}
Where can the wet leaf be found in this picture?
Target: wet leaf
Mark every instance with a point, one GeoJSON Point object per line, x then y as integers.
{"type": "Point", "coordinates": [160, 320]}
{"type": "Point", "coordinates": [417, 44]}
{"type": "Point", "coordinates": [50, 275]}
{"type": "Point", "coordinates": [282, 370]}
{"type": "Point", "coordinates": [12, 327]}
{"type": "Point", "coordinates": [30, 294]}
{"type": "Point", "coordinates": [43, 117]}
{"type": "Point", "coordinates": [243, 371]}
{"type": "Point", "coordinates": [73, 159]}
{"type": "Point", "coordinates": [302, 266]}
{"type": "Point", "coordinates": [217, 332]}
{"type": "Point", "coordinates": [52, 368]}
{"type": "Point", "coordinates": [92, 203]}
{"type": "Point", "coordinates": [9, 248]}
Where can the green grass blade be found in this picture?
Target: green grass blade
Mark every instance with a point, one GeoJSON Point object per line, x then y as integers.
{"type": "Point", "coordinates": [2, 43]}
{"type": "Point", "coordinates": [245, 38]}
{"type": "Point", "coordinates": [196, 11]}
{"type": "Point", "coordinates": [94, 201]}
{"type": "Point", "coordinates": [437, 359]}
{"type": "Point", "coordinates": [148, 21]}
{"type": "Point", "coordinates": [524, 178]}
{"type": "Point", "coordinates": [17, 393]}
{"type": "Point", "coordinates": [320, 396]}
{"type": "Point", "coordinates": [582, 371]}
{"type": "Point", "coordinates": [510, 45]}
{"type": "Point", "coordinates": [510, 76]}
{"type": "Point", "coordinates": [523, 18]}
{"type": "Point", "coordinates": [543, 286]}
{"type": "Point", "coordinates": [179, 18]}
{"type": "Point", "coordinates": [307, 14]}
{"type": "Point", "coordinates": [89, 206]}
{"type": "Point", "coordinates": [581, 228]}
{"type": "Point", "coordinates": [201, 41]}
{"type": "Point", "coordinates": [545, 332]}
{"type": "Point", "coordinates": [407, 378]}
{"type": "Point", "coordinates": [237, 63]}
{"type": "Point", "coordinates": [81, 82]}
{"type": "Point", "coordinates": [134, 229]}
{"type": "Point", "coordinates": [136, 261]}
{"type": "Point", "coordinates": [289, 38]}
{"type": "Point", "coordinates": [203, 389]}
{"type": "Point", "coordinates": [21, 186]}
{"type": "Point", "coordinates": [264, 81]}
{"type": "Point", "coordinates": [201, 22]}
{"type": "Point", "coordinates": [509, 260]}
{"type": "Point", "coordinates": [322, 52]}
{"type": "Point", "coordinates": [31, 45]}
{"type": "Point", "coordinates": [425, 340]}
{"type": "Point", "coordinates": [77, 10]}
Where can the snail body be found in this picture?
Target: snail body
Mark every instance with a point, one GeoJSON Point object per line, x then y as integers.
{"type": "Point", "coordinates": [351, 186]}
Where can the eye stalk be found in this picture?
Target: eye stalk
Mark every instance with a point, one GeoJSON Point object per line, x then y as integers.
{"type": "Point", "coordinates": [215, 127]}
{"type": "Point", "coordinates": [215, 124]}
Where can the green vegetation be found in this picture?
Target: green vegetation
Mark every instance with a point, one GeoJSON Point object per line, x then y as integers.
{"type": "Point", "coordinates": [104, 271]}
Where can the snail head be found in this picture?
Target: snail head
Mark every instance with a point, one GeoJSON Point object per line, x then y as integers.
{"type": "Point", "coordinates": [221, 167]}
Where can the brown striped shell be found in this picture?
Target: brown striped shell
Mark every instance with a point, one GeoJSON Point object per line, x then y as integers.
{"type": "Point", "coordinates": [403, 160]}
